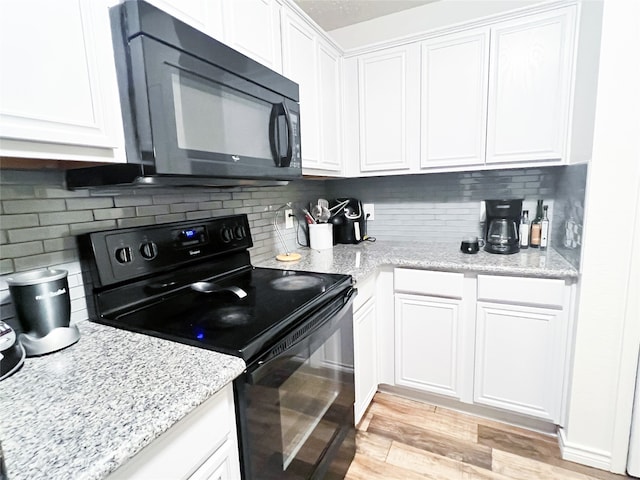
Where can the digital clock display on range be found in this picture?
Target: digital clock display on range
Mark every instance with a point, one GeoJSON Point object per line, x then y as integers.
{"type": "Point", "coordinates": [188, 237]}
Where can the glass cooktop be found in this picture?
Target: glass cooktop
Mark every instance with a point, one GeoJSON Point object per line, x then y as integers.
{"type": "Point", "coordinates": [218, 319]}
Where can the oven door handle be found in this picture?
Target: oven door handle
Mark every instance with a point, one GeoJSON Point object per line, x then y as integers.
{"type": "Point", "coordinates": [263, 367]}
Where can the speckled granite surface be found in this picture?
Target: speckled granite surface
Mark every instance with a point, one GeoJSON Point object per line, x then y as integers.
{"type": "Point", "coordinates": [82, 412]}
{"type": "Point", "coordinates": [363, 259]}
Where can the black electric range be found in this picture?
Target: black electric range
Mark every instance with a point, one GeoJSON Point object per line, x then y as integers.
{"type": "Point", "coordinates": [193, 283]}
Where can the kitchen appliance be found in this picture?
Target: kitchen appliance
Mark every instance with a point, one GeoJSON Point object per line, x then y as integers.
{"type": "Point", "coordinates": [501, 226]}
{"type": "Point", "coordinates": [193, 283]}
{"type": "Point", "coordinates": [11, 352]}
{"type": "Point", "coordinates": [195, 111]}
{"type": "Point", "coordinates": [348, 222]}
{"type": "Point", "coordinates": [43, 309]}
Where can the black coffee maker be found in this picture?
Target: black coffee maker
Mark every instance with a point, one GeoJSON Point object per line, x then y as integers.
{"type": "Point", "coordinates": [501, 226]}
{"type": "Point", "coordinates": [348, 220]}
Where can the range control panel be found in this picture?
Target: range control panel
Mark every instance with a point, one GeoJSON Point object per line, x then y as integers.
{"type": "Point", "coordinates": [133, 252]}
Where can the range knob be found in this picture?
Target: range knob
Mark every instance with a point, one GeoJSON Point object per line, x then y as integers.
{"type": "Point", "coordinates": [226, 234]}
{"type": "Point", "coordinates": [239, 232]}
{"type": "Point", "coordinates": [149, 250]}
{"type": "Point", "coordinates": [124, 255]}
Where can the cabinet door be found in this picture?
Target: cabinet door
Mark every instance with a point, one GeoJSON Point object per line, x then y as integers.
{"type": "Point", "coordinates": [330, 102]}
{"type": "Point", "coordinates": [530, 87]}
{"type": "Point", "coordinates": [300, 65]}
{"type": "Point", "coordinates": [253, 28]}
{"type": "Point", "coordinates": [61, 88]}
{"type": "Point", "coordinates": [388, 89]}
{"type": "Point", "coordinates": [518, 361]}
{"type": "Point", "coordinates": [203, 15]}
{"type": "Point", "coordinates": [427, 343]}
{"type": "Point", "coordinates": [454, 99]}
{"type": "Point", "coordinates": [365, 357]}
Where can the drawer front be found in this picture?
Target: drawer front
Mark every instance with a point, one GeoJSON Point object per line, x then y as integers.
{"type": "Point", "coordinates": [366, 289]}
{"type": "Point", "coordinates": [544, 292]}
{"type": "Point", "coordinates": [426, 282]}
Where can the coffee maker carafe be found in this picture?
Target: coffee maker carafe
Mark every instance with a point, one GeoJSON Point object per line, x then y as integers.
{"type": "Point", "coordinates": [501, 226]}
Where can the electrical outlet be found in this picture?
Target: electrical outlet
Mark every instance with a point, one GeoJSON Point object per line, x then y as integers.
{"type": "Point", "coordinates": [288, 218]}
{"type": "Point", "coordinates": [368, 209]}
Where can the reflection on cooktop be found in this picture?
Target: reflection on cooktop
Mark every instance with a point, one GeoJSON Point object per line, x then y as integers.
{"type": "Point", "coordinates": [295, 282]}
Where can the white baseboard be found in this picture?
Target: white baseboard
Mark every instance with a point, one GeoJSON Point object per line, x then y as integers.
{"type": "Point", "coordinates": [583, 455]}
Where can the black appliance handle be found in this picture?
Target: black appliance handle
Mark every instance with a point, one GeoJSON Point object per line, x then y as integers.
{"type": "Point", "coordinates": [326, 317]}
{"type": "Point", "coordinates": [280, 110]}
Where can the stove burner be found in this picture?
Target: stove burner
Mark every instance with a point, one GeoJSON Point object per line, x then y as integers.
{"type": "Point", "coordinates": [229, 317]}
{"type": "Point", "coordinates": [295, 282]}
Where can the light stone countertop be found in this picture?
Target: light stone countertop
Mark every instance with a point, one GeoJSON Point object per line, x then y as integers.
{"type": "Point", "coordinates": [365, 258]}
{"type": "Point", "coordinates": [82, 412]}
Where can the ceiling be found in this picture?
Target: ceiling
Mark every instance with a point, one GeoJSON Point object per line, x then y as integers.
{"type": "Point", "coordinates": [332, 14]}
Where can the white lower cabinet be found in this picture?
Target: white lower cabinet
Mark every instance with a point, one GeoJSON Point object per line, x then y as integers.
{"type": "Point", "coordinates": [201, 446]}
{"type": "Point", "coordinates": [517, 359]}
{"type": "Point", "coordinates": [365, 346]}
{"type": "Point", "coordinates": [426, 343]}
{"type": "Point", "coordinates": [489, 340]}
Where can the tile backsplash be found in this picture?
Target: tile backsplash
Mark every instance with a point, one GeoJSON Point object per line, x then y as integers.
{"type": "Point", "coordinates": [40, 218]}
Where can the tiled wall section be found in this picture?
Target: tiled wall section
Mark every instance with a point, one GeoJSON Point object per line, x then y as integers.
{"type": "Point", "coordinates": [569, 212]}
{"type": "Point", "coordinates": [446, 206]}
{"type": "Point", "coordinates": [40, 219]}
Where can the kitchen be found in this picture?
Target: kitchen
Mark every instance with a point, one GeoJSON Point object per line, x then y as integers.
{"type": "Point", "coordinates": [40, 217]}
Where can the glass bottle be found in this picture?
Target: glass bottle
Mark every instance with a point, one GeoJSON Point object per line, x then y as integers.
{"type": "Point", "coordinates": [544, 229]}
{"type": "Point", "coordinates": [524, 230]}
{"type": "Point", "coordinates": [536, 227]}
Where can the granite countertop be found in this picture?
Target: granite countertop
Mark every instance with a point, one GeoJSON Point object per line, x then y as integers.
{"type": "Point", "coordinates": [365, 258]}
{"type": "Point", "coordinates": [82, 412]}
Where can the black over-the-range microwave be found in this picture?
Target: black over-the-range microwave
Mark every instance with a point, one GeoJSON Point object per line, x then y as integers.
{"type": "Point", "coordinates": [194, 109]}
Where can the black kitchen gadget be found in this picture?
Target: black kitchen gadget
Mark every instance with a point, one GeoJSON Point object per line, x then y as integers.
{"type": "Point", "coordinates": [501, 226]}
{"type": "Point", "coordinates": [471, 245]}
{"type": "Point", "coordinates": [193, 283]}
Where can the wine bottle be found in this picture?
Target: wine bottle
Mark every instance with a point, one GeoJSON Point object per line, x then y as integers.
{"type": "Point", "coordinates": [544, 229]}
{"type": "Point", "coordinates": [524, 230]}
{"type": "Point", "coordinates": [536, 227]}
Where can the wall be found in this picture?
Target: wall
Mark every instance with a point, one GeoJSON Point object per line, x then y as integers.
{"type": "Point", "coordinates": [39, 220]}
{"type": "Point", "coordinates": [608, 330]}
{"type": "Point", "coordinates": [568, 219]}
{"type": "Point", "coordinates": [444, 206]}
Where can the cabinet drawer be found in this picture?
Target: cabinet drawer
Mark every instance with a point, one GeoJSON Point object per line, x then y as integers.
{"type": "Point", "coordinates": [529, 291]}
{"type": "Point", "coordinates": [366, 289]}
{"type": "Point", "coordinates": [425, 282]}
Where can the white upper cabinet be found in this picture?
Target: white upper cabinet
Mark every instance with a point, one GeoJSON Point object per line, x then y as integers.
{"type": "Point", "coordinates": [330, 104]}
{"type": "Point", "coordinates": [530, 77]}
{"type": "Point", "coordinates": [203, 15]}
{"type": "Point", "coordinates": [454, 99]}
{"type": "Point", "coordinates": [299, 62]}
{"type": "Point", "coordinates": [388, 89]}
{"type": "Point", "coordinates": [315, 65]}
{"type": "Point", "coordinates": [253, 28]}
{"type": "Point", "coordinates": [58, 91]}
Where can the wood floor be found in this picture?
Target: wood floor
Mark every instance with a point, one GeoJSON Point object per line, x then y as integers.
{"type": "Point", "coordinates": [405, 440]}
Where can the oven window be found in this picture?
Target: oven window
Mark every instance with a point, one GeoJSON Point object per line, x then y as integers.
{"type": "Point", "coordinates": [300, 408]}
{"type": "Point", "coordinates": [211, 117]}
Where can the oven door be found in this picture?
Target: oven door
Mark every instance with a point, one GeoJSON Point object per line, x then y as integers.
{"type": "Point", "coordinates": [194, 118]}
{"type": "Point", "coordinates": [295, 411]}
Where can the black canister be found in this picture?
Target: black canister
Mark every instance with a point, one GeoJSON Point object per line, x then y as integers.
{"type": "Point", "coordinates": [41, 300]}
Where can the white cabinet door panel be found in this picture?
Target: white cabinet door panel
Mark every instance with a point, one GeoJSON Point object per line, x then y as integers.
{"type": "Point", "coordinates": [203, 15]}
{"type": "Point", "coordinates": [530, 87]}
{"type": "Point", "coordinates": [253, 28]}
{"type": "Point", "coordinates": [62, 87]}
{"type": "Point", "coordinates": [300, 65]}
{"type": "Point", "coordinates": [388, 113]}
{"type": "Point", "coordinates": [454, 99]}
{"type": "Point", "coordinates": [365, 357]}
{"type": "Point", "coordinates": [427, 343]}
{"type": "Point", "coordinates": [517, 359]}
{"type": "Point", "coordinates": [330, 101]}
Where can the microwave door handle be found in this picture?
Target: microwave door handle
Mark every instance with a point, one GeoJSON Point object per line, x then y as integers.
{"type": "Point", "coordinates": [287, 118]}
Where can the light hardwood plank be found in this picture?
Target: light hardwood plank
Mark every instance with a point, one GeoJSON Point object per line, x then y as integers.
{"type": "Point", "coordinates": [372, 445]}
{"type": "Point", "coordinates": [446, 446]}
{"type": "Point", "coordinates": [426, 463]}
{"type": "Point", "coordinates": [366, 468]}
